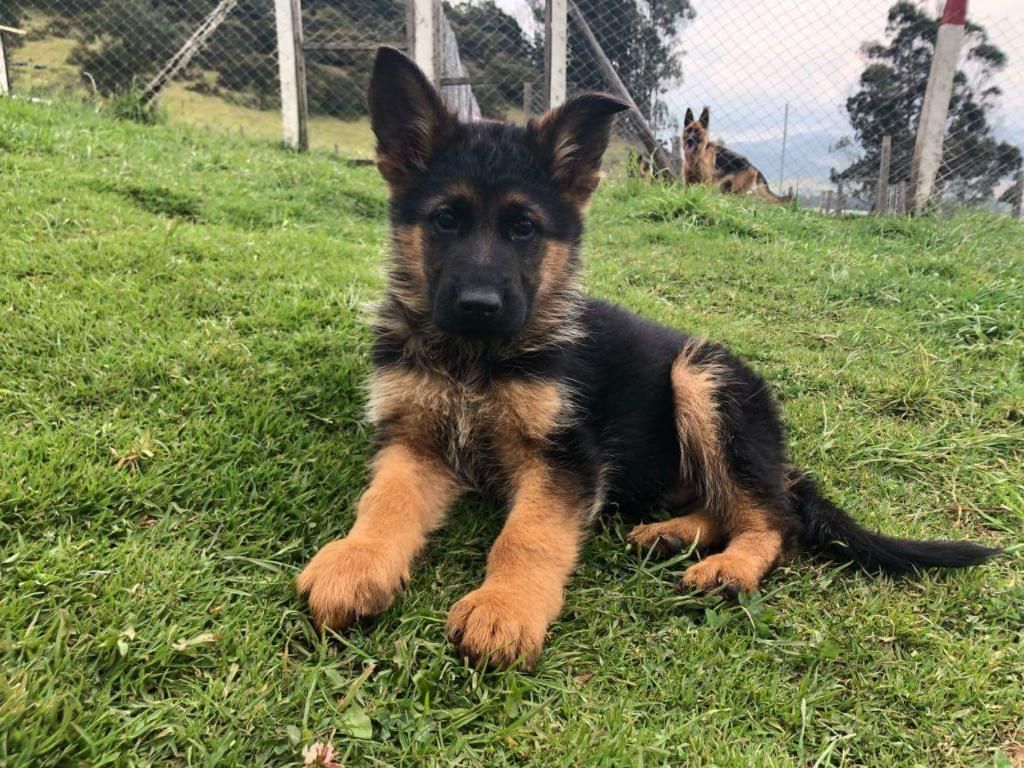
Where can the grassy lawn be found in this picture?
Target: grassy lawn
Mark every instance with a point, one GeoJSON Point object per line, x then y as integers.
{"type": "Point", "coordinates": [43, 69]}
{"type": "Point", "coordinates": [182, 350]}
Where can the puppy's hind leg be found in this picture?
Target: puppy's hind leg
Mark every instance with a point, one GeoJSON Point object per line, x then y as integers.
{"type": "Point", "coordinates": [731, 447]}
{"type": "Point", "coordinates": [694, 527]}
{"type": "Point", "coordinates": [755, 546]}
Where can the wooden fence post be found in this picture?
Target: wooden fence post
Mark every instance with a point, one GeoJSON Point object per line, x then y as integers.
{"type": "Point", "coordinates": [453, 81]}
{"type": "Point", "coordinates": [527, 99]}
{"type": "Point", "coordinates": [882, 188]}
{"type": "Point", "coordinates": [556, 46]}
{"type": "Point", "coordinates": [292, 66]}
{"type": "Point", "coordinates": [782, 155]}
{"type": "Point", "coordinates": [1018, 195]}
{"type": "Point", "coordinates": [424, 31]}
{"type": "Point", "coordinates": [931, 127]}
{"type": "Point", "coordinates": [898, 198]}
{"type": "Point", "coordinates": [5, 81]}
{"type": "Point", "coordinates": [5, 75]}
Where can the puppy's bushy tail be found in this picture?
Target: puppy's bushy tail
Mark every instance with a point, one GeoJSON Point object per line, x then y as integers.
{"type": "Point", "coordinates": [830, 530]}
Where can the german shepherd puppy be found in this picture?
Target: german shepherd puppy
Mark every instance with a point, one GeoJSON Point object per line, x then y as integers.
{"type": "Point", "coordinates": [493, 372]}
{"type": "Point", "coordinates": [715, 166]}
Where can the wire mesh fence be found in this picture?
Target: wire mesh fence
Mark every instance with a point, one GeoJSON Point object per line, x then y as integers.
{"type": "Point", "coordinates": [805, 90]}
{"type": "Point", "coordinates": [115, 49]}
{"type": "Point", "coordinates": [339, 42]}
{"type": "Point", "coordinates": [503, 54]}
{"type": "Point", "coordinates": [495, 56]}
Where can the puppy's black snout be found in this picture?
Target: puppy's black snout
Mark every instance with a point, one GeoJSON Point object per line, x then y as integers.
{"type": "Point", "coordinates": [482, 302]}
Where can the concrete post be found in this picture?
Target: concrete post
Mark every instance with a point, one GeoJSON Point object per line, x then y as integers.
{"type": "Point", "coordinates": [931, 128]}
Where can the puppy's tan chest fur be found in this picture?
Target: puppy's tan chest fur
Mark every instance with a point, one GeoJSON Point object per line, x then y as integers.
{"type": "Point", "coordinates": [469, 423]}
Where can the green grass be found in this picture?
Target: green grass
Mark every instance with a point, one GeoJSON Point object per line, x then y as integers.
{"type": "Point", "coordinates": [182, 351]}
{"type": "Point", "coordinates": [47, 70]}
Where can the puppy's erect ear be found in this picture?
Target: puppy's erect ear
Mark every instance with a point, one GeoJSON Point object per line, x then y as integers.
{"type": "Point", "coordinates": [570, 140]}
{"type": "Point", "coordinates": [705, 117]}
{"type": "Point", "coordinates": [689, 117]}
{"type": "Point", "coordinates": [408, 117]}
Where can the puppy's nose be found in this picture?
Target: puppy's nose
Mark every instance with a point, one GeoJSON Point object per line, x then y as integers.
{"type": "Point", "coordinates": [480, 301]}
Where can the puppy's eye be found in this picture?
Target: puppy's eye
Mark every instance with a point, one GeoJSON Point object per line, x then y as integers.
{"type": "Point", "coordinates": [523, 229]}
{"type": "Point", "coordinates": [446, 222]}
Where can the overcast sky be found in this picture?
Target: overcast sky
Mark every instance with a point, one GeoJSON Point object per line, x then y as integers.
{"type": "Point", "coordinates": [747, 58]}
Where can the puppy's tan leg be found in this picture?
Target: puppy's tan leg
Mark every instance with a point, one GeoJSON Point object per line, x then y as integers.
{"type": "Point", "coordinates": [755, 546]}
{"type": "Point", "coordinates": [753, 530]}
{"type": "Point", "coordinates": [359, 576]}
{"type": "Point", "coordinates": [668, 537]}
{"type": "Point", "coordinates": [504, 621]}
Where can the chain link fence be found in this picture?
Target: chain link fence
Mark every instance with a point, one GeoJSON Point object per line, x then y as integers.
{"type": "Point", "coordinates": [340, 39]}
{"type": "Point", "coordinates": [806, 90]}
{"type": "Point", "coordinates": [116, 49]}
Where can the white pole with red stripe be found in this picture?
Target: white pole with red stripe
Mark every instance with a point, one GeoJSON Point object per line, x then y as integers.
{"type": "Point", "coordinates": [932, 126]}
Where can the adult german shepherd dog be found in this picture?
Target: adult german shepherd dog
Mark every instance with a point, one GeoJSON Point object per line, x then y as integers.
{"type": "Point", "coordinates": [711, 164]}
{"type": "Point", "coordinates": [493, 372]}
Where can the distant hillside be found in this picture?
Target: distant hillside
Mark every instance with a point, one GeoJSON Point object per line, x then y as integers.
{"type": "Point", "coordinates": [809, 156]}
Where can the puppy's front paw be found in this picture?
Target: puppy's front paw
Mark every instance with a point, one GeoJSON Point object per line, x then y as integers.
{"type": "Point", "coordinates": [351, 579]}
{"type": "Point", "coordinates": [498, 626]}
